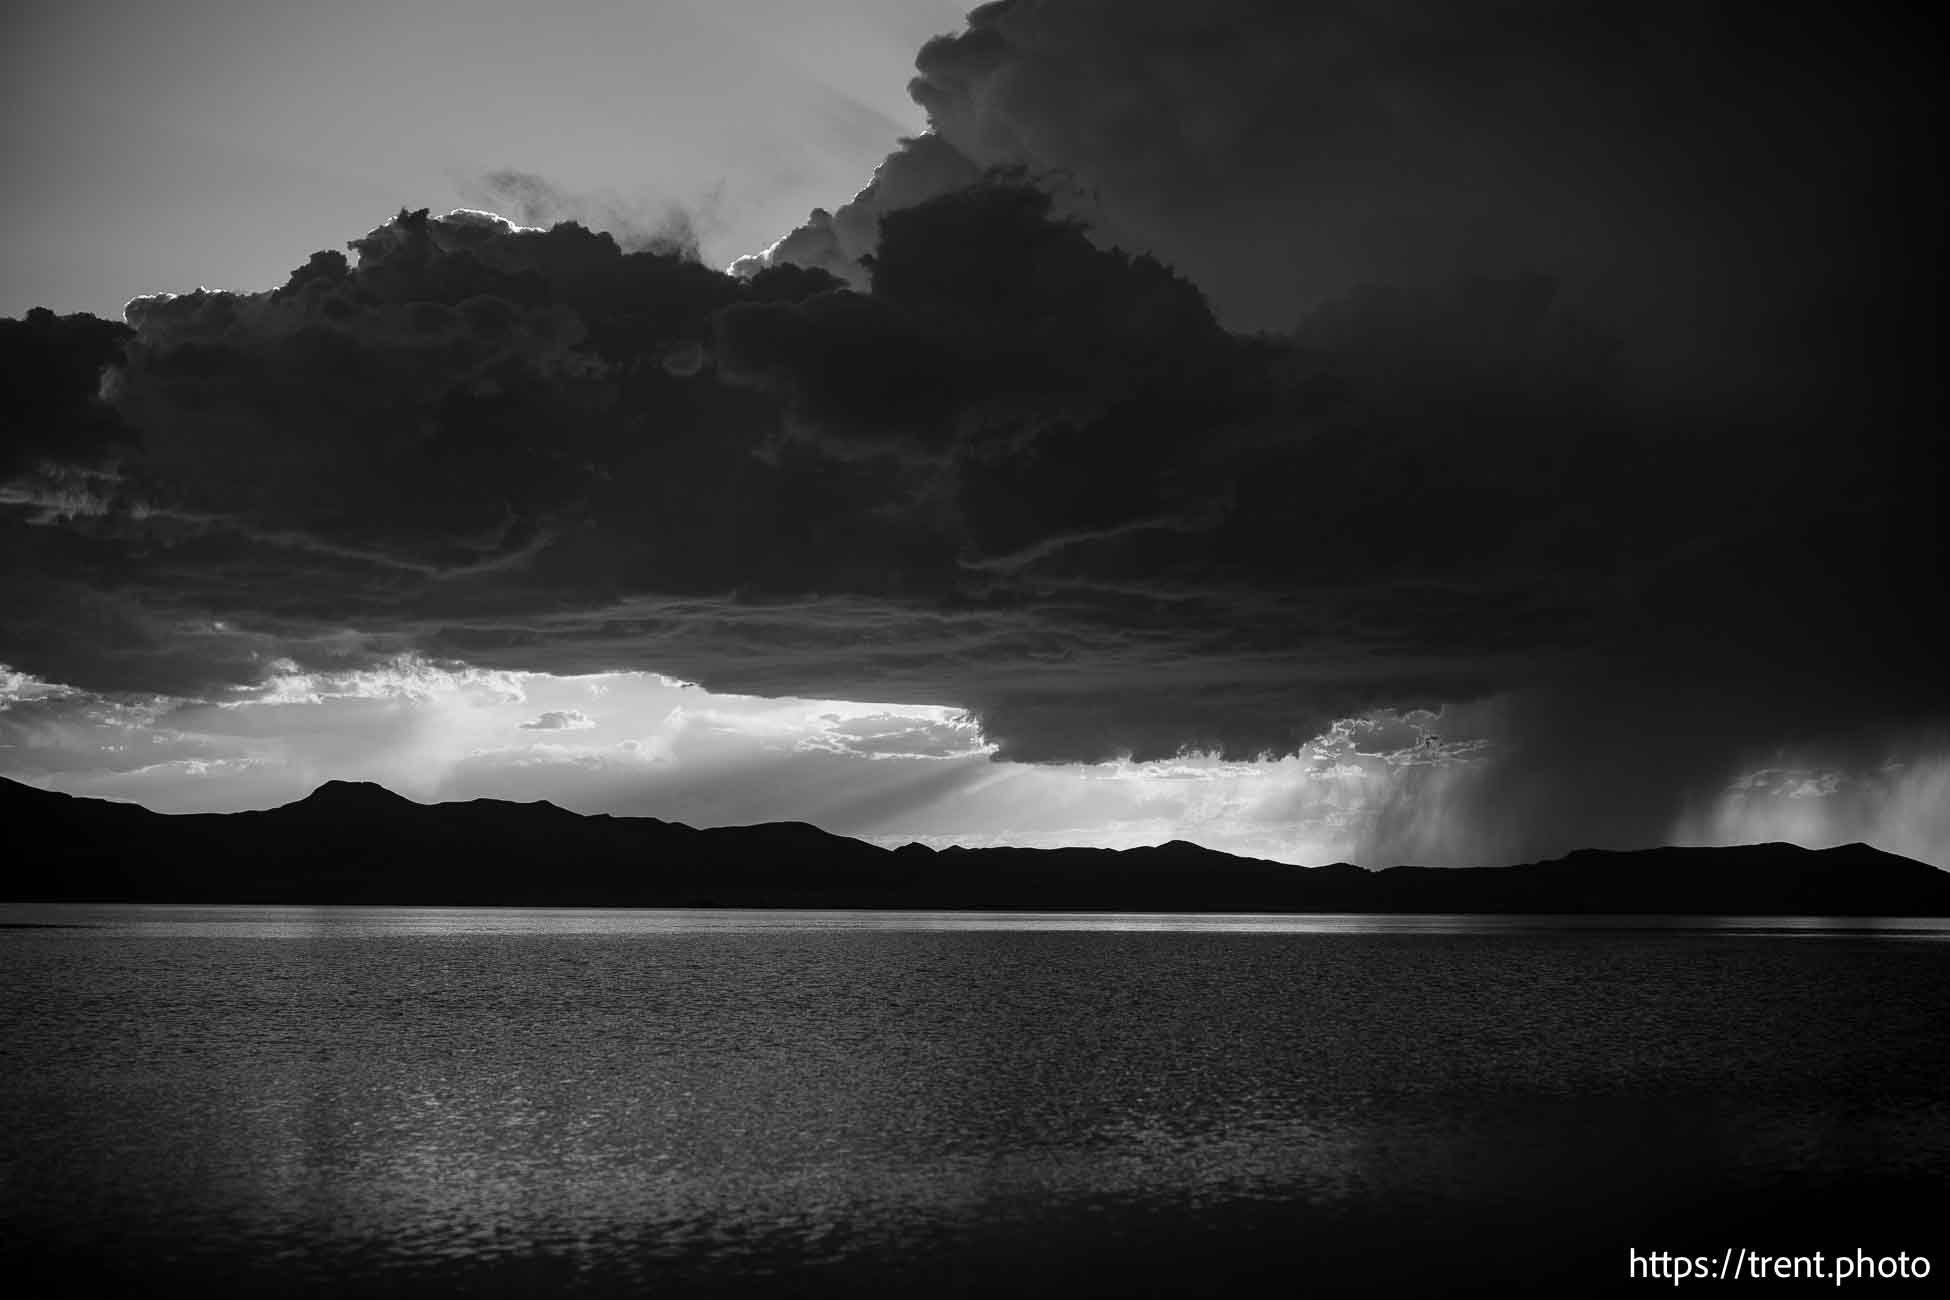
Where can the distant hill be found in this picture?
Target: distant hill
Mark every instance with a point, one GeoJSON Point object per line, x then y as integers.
{"type": "Point", "coordinates": [360, 843]}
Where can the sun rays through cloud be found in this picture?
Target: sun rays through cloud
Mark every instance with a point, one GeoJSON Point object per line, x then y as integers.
{"type": "Point", "coordinates": [1377, 789]}
{"type": "Point", "coordinates": [1380, 471]}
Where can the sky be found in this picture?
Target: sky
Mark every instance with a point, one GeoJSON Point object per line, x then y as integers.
{"type": "Point", "coordinates": [158, 147]}
{"type": "Point", "coordinates": [1362, 431]}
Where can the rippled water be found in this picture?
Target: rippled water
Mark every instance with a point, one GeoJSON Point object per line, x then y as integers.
{"type": "Point", "coordinates": [424, 1101]}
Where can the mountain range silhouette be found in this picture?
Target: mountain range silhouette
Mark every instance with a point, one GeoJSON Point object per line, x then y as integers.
{"type": "Point", "coordinates": [359, 843]}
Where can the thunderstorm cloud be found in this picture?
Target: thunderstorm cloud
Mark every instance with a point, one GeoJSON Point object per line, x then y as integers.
{"type": "Point", "coordinates": [1565, 378]}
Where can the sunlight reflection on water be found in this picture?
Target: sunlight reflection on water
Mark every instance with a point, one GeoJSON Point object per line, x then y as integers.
{"type": "Point", "coordinates": [261, 922]}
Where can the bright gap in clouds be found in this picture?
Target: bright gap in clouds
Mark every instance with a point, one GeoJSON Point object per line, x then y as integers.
{"type": "Point", "coordinates": [1377, 790]}
{"type": "Point", "coordinates": [638, 744]}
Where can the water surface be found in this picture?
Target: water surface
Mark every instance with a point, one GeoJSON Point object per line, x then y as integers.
{"type": "Point", "coordinates": [426, 1101]}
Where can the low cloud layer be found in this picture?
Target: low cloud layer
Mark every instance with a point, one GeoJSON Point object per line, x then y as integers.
{"type": "Point", "coordinates": [560, 720]}
{"type": "Point", "coordinates": [1613, 439]}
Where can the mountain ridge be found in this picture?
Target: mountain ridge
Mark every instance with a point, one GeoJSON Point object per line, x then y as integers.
{"type": "Point", "coordinates": [359, 842]}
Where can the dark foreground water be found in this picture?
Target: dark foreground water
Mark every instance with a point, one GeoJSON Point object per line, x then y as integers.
{"type": "Point", "coordinates": [364, 1101]}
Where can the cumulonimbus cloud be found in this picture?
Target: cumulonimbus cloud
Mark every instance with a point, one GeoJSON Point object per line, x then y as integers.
{"type": "Point", "coordinates": [1001, 463]}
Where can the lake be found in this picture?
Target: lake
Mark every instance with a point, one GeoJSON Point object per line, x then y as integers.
{"type": "Point", "coordinates": [370, 1101]}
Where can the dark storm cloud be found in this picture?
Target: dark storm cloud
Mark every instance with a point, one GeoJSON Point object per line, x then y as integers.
{"type": "Point", "coordinates": [922, 168]}
{"type": "Point", "coordinates": [58, 439]}
{"type": "Point", "coordinates": [987, 324]}
{"type": "Point", "coordinates": [1677, 167]}
{"type": "Point", "coordinates": [50, 379]}
{"type": "Point", "coordinates": [1584, 405]}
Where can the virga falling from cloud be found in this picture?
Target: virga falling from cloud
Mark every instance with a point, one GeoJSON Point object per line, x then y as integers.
{"type": "Point", "coordinates": [1611, 436]}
